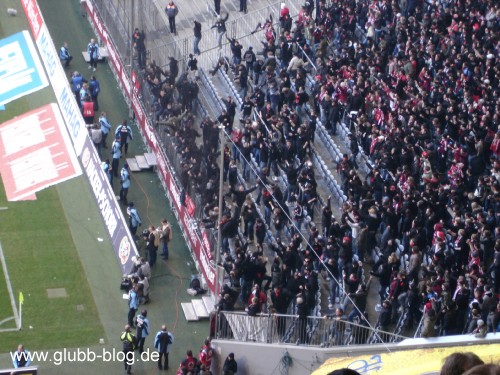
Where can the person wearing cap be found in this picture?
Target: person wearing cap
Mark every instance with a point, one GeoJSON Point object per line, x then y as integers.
{"type": "Point", "coordinates": [230, 365]}
{"type": "Point", "coordinates": [125, 183]}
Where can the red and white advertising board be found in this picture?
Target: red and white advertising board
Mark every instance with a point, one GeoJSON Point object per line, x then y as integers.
{"type": "Point", "coordinates": [116, 225]}
{"type": "Point", "coordinates": [35, 153]}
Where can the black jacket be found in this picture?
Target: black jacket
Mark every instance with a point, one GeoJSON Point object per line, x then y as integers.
{"type": "Point", "coordinates": [197, 29]}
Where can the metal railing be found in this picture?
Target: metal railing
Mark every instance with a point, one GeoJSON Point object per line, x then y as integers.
{"type": "Point", "coordinates": [117, 17]}
{"type": "Point", "coordinates": [239, 28]}
{"type": "Point", "coordinates": [418, 332]}
{"type": "Point", "coordinates": [291, 329]}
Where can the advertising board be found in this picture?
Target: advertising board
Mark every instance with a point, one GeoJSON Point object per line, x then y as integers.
{"type": "Point", "coordinates": [116, 225]}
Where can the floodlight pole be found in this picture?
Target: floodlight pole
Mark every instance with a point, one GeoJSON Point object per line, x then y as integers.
{"type": "Point", "coordinates": [221, 201]}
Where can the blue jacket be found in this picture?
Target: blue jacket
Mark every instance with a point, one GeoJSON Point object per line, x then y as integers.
{"type": "Point", "coordinates": [64, 53]}
{"type": "Point", "coordinates": [83, 94]}
{"type": "Point", "coordinates": [125, 178]}
{"type": "Point", "coordinates": [115, 150]}
{"type": "Point", "coordinates": [133, 301]}
{"type": "Point", "coordinates": [77, 82]}
{"type": "Point", "coordinates": [161, 341]}
{"type": "Point", "coordinates": [94, 87]}
{"type": "Point", "coordinates": [135, 220]}
{"type": "Point", "coordinates": [21, 359]}
{"type": "Point", "coordinates": [142, 324]}
{"type": "Point", "coordinates": [105, 167]}
{"type": "Point", "coordinates": [125, 133]}
{"type": "Point", "coordinates": [105, 125]}
{"type": "Point", "coordinates": [93, 50]}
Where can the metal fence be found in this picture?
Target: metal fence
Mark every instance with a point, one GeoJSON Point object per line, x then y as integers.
{"type": "Point", "coordinates": [291, 329]}
{"type": "Point", "coordinates": [123, 16]}
{"type": "Point", "coordinates": [239, 28]}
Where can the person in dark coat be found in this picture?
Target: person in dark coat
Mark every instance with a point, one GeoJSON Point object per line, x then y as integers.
{"type": "Point", "coordinates": [384, 318]}
{"type": "Point", "coordinates": [280, 299]}
{"type": "Point", "coordinates": [230, 365]}
{"type": "Point", "coordinates": [173, 67]}
{"type": "Point", "coordinates": [229, 230]}
{"type": "Point", "coordinates": [197, 37]}
{"type": "Point", "coordinates": [163, 340]}
{"type": "Point", "coordinates": [302, 312]}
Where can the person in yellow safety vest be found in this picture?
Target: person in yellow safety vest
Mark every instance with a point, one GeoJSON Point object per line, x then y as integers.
{"type": "Point", "coordinates": [129, 343]}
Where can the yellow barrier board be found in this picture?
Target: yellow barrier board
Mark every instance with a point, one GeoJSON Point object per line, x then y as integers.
{"type": "Point", "coordinates": [407, 362]}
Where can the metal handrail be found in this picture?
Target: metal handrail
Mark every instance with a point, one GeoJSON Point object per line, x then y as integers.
{"type": "Point", "coordinates": [188, 40]}
{"type": "Point", "coordinates": [282, 329]}
{"type": "Point", "coordinates": [418, 332]}
{"type": "Point", "coordinates": [307, 56]}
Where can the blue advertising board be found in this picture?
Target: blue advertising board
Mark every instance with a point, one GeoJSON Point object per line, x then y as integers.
{"type": "Point", "coordinates": [21, 72]}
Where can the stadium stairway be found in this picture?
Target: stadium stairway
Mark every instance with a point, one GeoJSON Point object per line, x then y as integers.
{"type": "Point", "coordinates": [198, 309]}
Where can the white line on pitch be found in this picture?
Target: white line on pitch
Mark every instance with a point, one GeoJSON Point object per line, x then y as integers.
{"type": "Point", "coordinates": [9, 286]}
{"type": "Point", "coordinates": [7, 320]}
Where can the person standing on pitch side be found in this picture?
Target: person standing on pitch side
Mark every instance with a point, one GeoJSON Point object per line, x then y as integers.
{"type": "Point", "coordinates": [129, 343]}
{"type": "Point", "coordinates": [163, 340]}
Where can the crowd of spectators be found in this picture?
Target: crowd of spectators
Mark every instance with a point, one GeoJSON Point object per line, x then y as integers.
{"type": "Point", "coordinates": [418, 83]}
{"type": "Point", "coordinates": [421, 80]}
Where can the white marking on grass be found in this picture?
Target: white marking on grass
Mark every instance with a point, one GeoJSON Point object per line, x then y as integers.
{"type": "Point", "coordinates": [4, 208]}
{"type": "Point", "coordinates": [9, 288]}
{"type": "Point", "coordinates": [6, 320]}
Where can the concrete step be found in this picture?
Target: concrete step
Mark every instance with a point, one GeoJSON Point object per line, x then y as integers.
{"type": "Point", "coordinates": [132, 165]}
{"type": "Point", "coordinates": [142, 162]}
{"type": "Point", "coordinates": [189, 312]}
{"type": "Point", "coordinates": [151, 159]}
{"type": "Point", "coordinates": [199, 309]}
{"type": "Point", "coordinates": [209, 303]}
